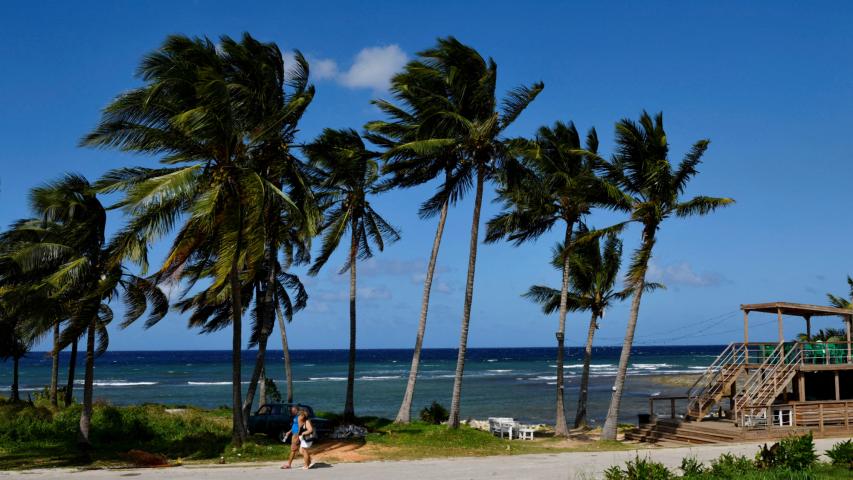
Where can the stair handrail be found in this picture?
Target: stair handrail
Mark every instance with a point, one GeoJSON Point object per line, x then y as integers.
{"type": "Point", "coordinates": [729, 356]}
{"type": "Point", "coordinates": [778, 360]}
{"type": "Point", "coordinates": [734, 355]}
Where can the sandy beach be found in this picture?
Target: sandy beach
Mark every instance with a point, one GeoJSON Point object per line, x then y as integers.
{"type": "Point", "coordinates": [574, 465]}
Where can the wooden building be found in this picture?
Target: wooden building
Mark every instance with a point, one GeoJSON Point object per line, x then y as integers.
{"type": "Point", "coordinates": [761, 389]}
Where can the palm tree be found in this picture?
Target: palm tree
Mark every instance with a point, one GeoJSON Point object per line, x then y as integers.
{"type": "Point", "coordinates": [410, 124]}
{"type": "Point", "coordinates": [203, 107]}
{"type": "Point", "coordinates": [652, 192]}
{"type": "Point", "coordinates": [349, 173]}
{"type": "Point", "coordinates": [14, 344]}
{"type": "Point", "coordinates": [72, 367]}
{"type": "Point", "coordinates": [286, 232]}
{"type": "Point", "coordinates": [467, 120]}
{"type": "Point", "coordinates": [594, 273]}
{"type": "Point", "coordinates": [557, 184]}
{"type": "Point", "coordinates": [29, 310]}
{"type": "Point", "coordinates": [87, 275]}
{"type": "Point", "coordinates": [271, 298]}
{"type": "Point", "coordinates": [210, 308]}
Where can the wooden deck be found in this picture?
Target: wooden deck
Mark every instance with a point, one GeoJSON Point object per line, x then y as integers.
{"type": "Point", "coordinates": [669, 432]}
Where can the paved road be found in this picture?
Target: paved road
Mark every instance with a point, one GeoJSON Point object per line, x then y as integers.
{"type": "Point", "coordinates": [566, 466]}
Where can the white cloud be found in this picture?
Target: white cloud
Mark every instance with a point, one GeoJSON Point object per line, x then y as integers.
{"type": "Point", "coordinates": [438, 285]}
{"type": "Point", "coordinates": [373, 293]}
{"type": "Point", "coordinates": [323, 68]}
{"type": "Point", "coordinates": [373, 67]}
{"type": "Point", "coordinates": [320, 68]}
{"type": "Point", "coordinates": [681, 274]}
{"type": "Point", "coordinates": [363, 293]}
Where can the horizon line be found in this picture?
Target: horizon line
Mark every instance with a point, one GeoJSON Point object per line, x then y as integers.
{"type": "Point", "coordinates": [396, 348]}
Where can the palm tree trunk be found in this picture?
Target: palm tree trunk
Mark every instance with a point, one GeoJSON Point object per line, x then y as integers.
{"type": "Point", "coordinates": [349, 408]}
{"type": "Point", "coordinates": [561, 429]}
{"type": "Point", "coordinates": [238, 428]}
{"type": "Point", "coordinates": [83, 439]}
{"type": "Point", "coordinates": [609, 431]}
{"type": "Point", "coordinates": [453, 421]}
{"type": "Point", "coordinates": [580, 416]}
{"type": "Point", "coordinates": [404, 415]}
{"type": "Point", "coordinates": [286, 351]}
{"type": "Point", "coordinates": [267, 318]}
{"type": "Point", "coordinates": [262, 388]}
{"type": "Point", "coordinates": [54, 367]}
{"type": "Point", "coordinates": [72, 365]}
{"type": "Point", "coordinates": [16, 394]}
{"type": "Point", "coordinates": [257, 372]}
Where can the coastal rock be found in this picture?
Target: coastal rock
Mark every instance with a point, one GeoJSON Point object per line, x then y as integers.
{"type": "Point", "coordinates": [477, 424]}
{"type": "Point", "coordinates": [343, 432]}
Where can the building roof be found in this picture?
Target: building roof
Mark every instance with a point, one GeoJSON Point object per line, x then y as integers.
{"type": "Point", "coordinates": [798, 309]}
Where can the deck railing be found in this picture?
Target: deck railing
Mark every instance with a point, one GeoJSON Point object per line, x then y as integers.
{"type": "Point", "coordinates": [671, 406]}
{"type": "Point", "coordinates": [734, 354]}
{"type": "Point", "coordinates": [825, 353]}
{"type": "Point", "coordinates": [758, 352]}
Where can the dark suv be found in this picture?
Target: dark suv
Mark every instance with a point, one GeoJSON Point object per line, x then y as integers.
{"type": "Point", "coordinates": [274, 419]}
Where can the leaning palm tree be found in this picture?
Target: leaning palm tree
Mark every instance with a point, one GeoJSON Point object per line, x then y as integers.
{"type": "Point", "coordinates": [410, 123]}
{"type": "Point", "coordinates": [87, 275]}
{"type": "Point", "coordinates": [594, 270]}
{"type": "Point", "coordinates": [288, 234]}
{"type": "Point", "coordinates": [466, 119]}
{"type": "Point", "coordinates": [14, 343]}
{"type": "Point", "coordinates": [35, 312]}
{"type": "Point", "coordinates": [349, 174]}
{"type": "Point", "coordinates": [653, 192]}
{"type": "Point", "coordinates": [203, 108]}
{"type": "Point", "coordinates": [557, 184]}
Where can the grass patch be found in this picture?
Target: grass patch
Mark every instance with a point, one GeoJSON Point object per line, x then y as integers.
{"type": "Point", "coordinates": [422, 440]}
{"type": "Point", "coordinates": [40, 436]}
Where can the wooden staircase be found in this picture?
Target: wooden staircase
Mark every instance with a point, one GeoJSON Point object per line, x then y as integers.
{"type": "Point", "coordinates": [675, 432]}
{"type": "Point", "coordinates": [716, 381]}
{"type": "Point", "coordinates": [768, 381]}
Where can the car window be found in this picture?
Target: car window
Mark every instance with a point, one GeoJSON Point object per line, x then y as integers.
{"type": "Point", "coordinates": [265, 410]}
{"type": "Point", "coordinates": [276, 410]}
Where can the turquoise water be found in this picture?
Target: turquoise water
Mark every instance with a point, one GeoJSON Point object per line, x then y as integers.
{"type": "Point", "coordinates": [515, 382]}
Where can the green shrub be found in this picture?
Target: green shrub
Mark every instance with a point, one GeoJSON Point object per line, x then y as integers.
{"type": "Point", "coordinates": [434, 414]}
{"type": "Point", "coordinates": [691, 467]}
{"type": "Point", "coordinates": [796, 453]}
{"type": "Point", "coordinates": [730, 466]}
{"type": "Point", "coordinates": [841, 453]}
{"type": "Point", "coordinates": [639, 469]}
{"type": "Point", "coordinates": [113, 424]}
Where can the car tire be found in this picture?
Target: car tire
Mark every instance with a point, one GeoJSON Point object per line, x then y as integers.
{"type": "Point", "coordinates": [282, 436]}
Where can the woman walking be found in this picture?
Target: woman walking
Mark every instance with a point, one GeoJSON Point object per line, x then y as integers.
{"type": "Point", "coordinates": [306, 438]}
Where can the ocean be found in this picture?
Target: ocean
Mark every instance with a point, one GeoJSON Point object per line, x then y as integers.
{"type": "Point", "coordinates": [507, 382]}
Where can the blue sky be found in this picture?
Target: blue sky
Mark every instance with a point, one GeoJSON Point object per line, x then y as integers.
{"type": "Point", "coordinates": [770, 83]}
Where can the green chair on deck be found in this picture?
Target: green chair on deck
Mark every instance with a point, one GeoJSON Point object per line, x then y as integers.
{"type": "Point", "coordinates": [819, 353]}
{"type": "Point", "coordinates": [837, 353]}
{"type": "Point", "coordinates": [766, 352]}
{"type": "Point", "coordinates": [808, 353]}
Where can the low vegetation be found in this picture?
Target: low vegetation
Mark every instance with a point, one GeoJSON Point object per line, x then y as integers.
{"type": "Point", "coordinates": [39, 435]}
{"type": "Point", "coordinates": [793, 458]}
